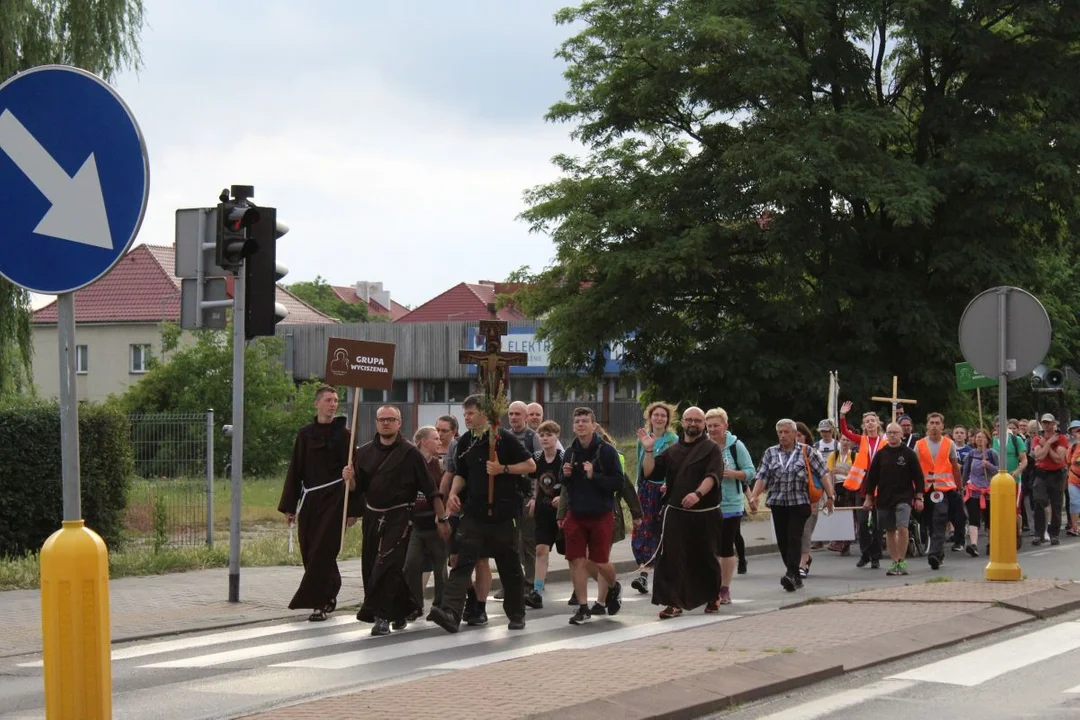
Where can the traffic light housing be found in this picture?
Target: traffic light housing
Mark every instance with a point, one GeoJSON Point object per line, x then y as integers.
{"type": "Point", "coordinates": [261, 275]}
{"type": "Point", "coordinates": [235, 219]}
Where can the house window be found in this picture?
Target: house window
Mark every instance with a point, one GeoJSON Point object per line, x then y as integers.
{"type": "Point", "coordinates": [624, 389]}
{"type": "Point", "coordinates": [522, 389]}
{"type": "Point", "coordinates": [82, 359]}
{"type": "Point", "coordinates": [140, 358]}
{"type": "Point", "coordinates": [558, 390]}
{"type": "Point", "coordinates": [433, 391]}
{"type": "Point", "coordinates": [458, 391]}
{"type": "Point", "coordinates": [400, 392]}
{"type": "Point", "coordinates": [371, 396]}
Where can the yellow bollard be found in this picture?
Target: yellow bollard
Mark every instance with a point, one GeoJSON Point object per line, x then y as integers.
{"type": "Point", "coordinates": [1003, 565]}
{"type": "Point", "coordinates": [75, 624]}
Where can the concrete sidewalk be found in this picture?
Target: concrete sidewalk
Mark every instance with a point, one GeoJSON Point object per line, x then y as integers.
{"type": "Point", "coordinates": [188, 602]}
{"type": "Point", "coordinates": [696, 672]}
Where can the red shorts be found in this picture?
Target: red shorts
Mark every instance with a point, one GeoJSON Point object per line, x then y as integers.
{"type": "Point", "coordinates": [590, 533]}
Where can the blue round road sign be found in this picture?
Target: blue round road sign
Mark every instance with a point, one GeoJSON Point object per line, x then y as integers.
{"type": "Point", "coordinates": [76, 178]}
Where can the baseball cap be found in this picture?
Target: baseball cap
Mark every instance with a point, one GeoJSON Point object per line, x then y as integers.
{"type": "Point", "coordinates": [1074, 425]}
{"type": "Point", "coordinates": [825, 425]}
{"type": "Point", "coordinates": [1047, 418]}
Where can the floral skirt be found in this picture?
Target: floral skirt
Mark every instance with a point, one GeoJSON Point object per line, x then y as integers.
{"type": "Point", "coordinates": [647, 537]}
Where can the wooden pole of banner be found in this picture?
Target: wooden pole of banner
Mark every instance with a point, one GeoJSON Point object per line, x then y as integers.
{"type": "Point", "coordinates": [978, 399]}
{"type": "Point", "coordinates": [352, 446]}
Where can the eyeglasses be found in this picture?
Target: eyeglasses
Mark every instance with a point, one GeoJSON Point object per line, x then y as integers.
{"type": "Point", "coordinates": [692, 421]}
{"type": "Point", "coordinates": [388, 419]}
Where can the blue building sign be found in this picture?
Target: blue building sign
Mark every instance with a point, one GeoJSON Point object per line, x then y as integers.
{"type": "Point", "coordinates": [524, 340]}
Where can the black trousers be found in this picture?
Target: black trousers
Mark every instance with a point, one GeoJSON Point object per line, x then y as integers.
{"type": "Point", "coordinates": [869, 535]}
{"type": "Point", "coordinates": [788, 523]}
{"type": "Point", "coordinates": [496, 540]}
{"type": "Point", "coordinates": [1048, 489]}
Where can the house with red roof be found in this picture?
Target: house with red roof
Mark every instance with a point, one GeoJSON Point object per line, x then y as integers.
{"type": "Point", "coordinates": [117, 324]}
{"type": "Point", "coordinates": [467, 302]}
{"type": "Point", "coordinates": [378, 301]}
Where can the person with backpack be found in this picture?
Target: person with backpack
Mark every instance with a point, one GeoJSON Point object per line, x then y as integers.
{"type": "Point", "coordinates": [738, 472]}
{"type": "Point", "coordinates": [894, 485]}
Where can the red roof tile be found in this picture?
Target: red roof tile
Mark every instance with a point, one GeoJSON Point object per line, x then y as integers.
{"type": "Point", "coordinates": [463, 302]}
{"type": "Point", "coordinates": [142, 287]}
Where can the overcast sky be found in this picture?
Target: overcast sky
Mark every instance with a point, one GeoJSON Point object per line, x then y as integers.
{"type": "Point", "coordinates": [395, 138]}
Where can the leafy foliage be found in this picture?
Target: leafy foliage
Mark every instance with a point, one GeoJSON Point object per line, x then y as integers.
{"type": "Point", "coordinates": [199, 376]}
{"type": "Point", "coordinates": [772, 190]}
{"type": "Point", "coordinates": [31, 488]}
{"type": "Point", "coordinates": [98, 35]}
{"type": "Point", "coordinates": [320, 295]}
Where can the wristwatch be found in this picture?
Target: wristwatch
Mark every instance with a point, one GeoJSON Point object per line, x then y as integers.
{"type": "Point", "coordinates": [443, 519]}
{"type": "Point", "coordinates": [699, 494]}
{"type": "Point", "coordinates": [506, 469]}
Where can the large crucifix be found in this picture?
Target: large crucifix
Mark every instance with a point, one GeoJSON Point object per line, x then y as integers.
{"type": "Point", "coordinates": [492, 365]}
{"type": "Point", "coordinates": [894, 400]}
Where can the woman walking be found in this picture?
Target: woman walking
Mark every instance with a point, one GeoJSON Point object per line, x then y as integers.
{"type": "Point", "coordinates": [738, 472]}
{"type": "Point", "coordinates": [659, 417]}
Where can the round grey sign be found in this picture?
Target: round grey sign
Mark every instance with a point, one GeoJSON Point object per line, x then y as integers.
{"type": "Point", "coordinates": [1027, 332]}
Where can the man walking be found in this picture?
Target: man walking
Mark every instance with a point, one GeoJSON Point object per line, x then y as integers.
{"type": "Point", "coordinates": [1049, 448]}
{"type": "Point", "coordinates": [389, 472]}
{"type": "Point", "coordinates": [894, 485]}
{"type": "Point", "coordinates": [941, 470]}
{"type": "Point", "coordinates": [526, 529]}
{"type": "Point", "coordinates": [687, 572]}
{"type": "Point", "coordinates": [487, 526]}
{"type": "Point", "coordinates": [314, 485]}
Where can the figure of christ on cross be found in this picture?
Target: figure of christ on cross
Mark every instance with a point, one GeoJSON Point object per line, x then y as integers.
{"type": "Point", "coordinates": [492, 369]}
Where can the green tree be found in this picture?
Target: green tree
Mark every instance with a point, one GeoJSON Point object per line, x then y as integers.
{"type": "Point", "coordinates": [775, 189]}
{"type": "Point", "coordinates": [199, 376]}
{"type": "Point", "coordinates": [98, 35]}
{"type": "Point", "coordinates": [320, 295]}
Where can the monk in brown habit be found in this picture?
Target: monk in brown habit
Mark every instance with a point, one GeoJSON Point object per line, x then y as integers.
{"type": "Point", "coordinates": [687, 573]}
{"type": "Point", "coordinates": [312, 498]}
{"type": "Point", "coordinates": [389, 473]}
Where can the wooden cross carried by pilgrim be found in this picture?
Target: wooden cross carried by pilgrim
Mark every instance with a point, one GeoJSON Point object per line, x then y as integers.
{"type": "Point", "coordinates": [492, 367]}
{"type": "Point", "coordinates": [894, 400]}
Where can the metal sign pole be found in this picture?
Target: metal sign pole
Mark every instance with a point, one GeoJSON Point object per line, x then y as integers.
{"type": "Point", "coordinates": [238, 435]}
{"type": "Point", "coordinates": [1003, 371]}
{"type": "Point", "coordinates": [1003, 487]}
{"type": "Point", "coordinates": [69, 406]}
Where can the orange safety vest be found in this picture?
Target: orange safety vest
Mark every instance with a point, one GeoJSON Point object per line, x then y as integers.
{"type": "Point", "coordinates": [857, 474]}
{"type": "Point", "coordinates": [938, 472]}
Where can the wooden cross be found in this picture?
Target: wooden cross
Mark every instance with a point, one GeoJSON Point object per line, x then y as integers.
{"type": "Point", "coordinates": [492, 366]}
{"type": "Point", "coordinates": [894, 400]}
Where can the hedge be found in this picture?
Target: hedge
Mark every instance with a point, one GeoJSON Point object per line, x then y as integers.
{"type": "Point", "coordinates": [31, 492]}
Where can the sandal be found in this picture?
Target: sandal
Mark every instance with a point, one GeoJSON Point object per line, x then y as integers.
{"type": "Point", "coordinates": [317, 616]}
{"type": "Point", "coordinates": [330, 606]}
{"type": "Point", "coordinates": [670, 612]}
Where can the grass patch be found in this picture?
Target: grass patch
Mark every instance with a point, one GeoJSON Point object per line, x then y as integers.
{"type": "Point", "coordinates": [938, 579]}
{"type": "Point", "coordinates": [770, 650]}
{"type": "Point", "coordinates": [787, 650]}
{"type": "Point", "coordinates": [710, 649]}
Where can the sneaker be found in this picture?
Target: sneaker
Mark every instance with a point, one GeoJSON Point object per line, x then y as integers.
{"type": "Point", "coordinates": [534, 600]}
{"type": "Point", "coordinates": [598, 609]}
{"type": "Point", "coordinates": [573, 599]}
{"type": "Point", "coordinates": [957, 547]}
{"type": "Point", "coordinates": [725, 596]}
{"type": "Point", "coordinates": [470, 603]}
{"type": "Point", "coordinates": [641, 583]}
{"type": "Point", "coordinates": [613, 601]}
{"type": "Point", "coordinates": [1046, 536]}
{"type": "Point", "coordinates": [803, 572]}
{"type": "Point", "coordinates": [788, 583]}
{"type": "Point", "coordinates": [415, 615]}
{"type": "Point", "coordinates": [517, 624]}
{"type": "Point", "coordinates": [581, 616]}
{"type": "Point", "coordinates": [400, 624]}
{"type": "Point", "coordinates": [934, 560]}
{"type": "Point", "coordinates": [894, 569]}
{"type": "Point", "coordinates": [500, 594]}
{"type": "Point", "coordinates": [443, 619]}
{"type": "Point", "coordinates": [1036, 542]}
{"type": "Point", "coordinates": [875, 564]}
{"type": "Point", "coordinates": [1073, 533]}
{"type": "Point", "coordinates": [798, 583]}
{"type": "Point", "coordinates": [478, 620]}
{"type": "Point", "coordinates": [712, 607]}
{"type": "Point", "coordinates": [863, 562]}
{"type": "Point", "coordinates": [1055, 541]}
{"type": "Point", "coordinates": [742, 566]}
{"type": "Point", "coordinates": [901, 568]}
{"type": "Point", "coordinates": [972, 550]}
{"type": "Point", "coordinates": [381, 627]}
{"type": "Point", "coordinates": [670, 612]}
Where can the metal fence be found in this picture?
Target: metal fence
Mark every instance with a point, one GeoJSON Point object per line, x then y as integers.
{"type": "Point", "coordinates": [171, 501]}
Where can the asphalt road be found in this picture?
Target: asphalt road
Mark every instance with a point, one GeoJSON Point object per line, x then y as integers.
{"type": "Point", "coordinates": [1032, 671]}
{"type": "Point", "coordinates": [232, 672]}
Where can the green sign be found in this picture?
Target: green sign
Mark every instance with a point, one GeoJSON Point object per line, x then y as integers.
{"type": "Point", "coordinates": [968, 378]}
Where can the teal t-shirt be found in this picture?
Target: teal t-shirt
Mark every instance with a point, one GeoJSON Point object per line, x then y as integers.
{"type": "Point", "coordinates": [1012, 454]}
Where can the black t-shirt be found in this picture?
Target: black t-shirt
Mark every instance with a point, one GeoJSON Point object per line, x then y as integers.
{"type": "Point", "coordinates": [471, 464]}
{"type": "Point", "coordinates": [548, 476]}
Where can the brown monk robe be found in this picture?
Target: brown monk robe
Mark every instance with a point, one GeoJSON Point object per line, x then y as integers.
{"type": "Point", "coordinates": [389, 475]}
{"type": "Point", "coordinates": [687, 572]}
{"type": "Point", "coordinates": [320, 452]}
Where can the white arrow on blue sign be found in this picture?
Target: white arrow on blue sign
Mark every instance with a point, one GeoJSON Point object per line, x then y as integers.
{"type": "Point", "coordinates": [76, 177]}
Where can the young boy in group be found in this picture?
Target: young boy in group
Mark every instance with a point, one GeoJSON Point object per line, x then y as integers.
{"type": "Point", "coordinates": [549, 461]}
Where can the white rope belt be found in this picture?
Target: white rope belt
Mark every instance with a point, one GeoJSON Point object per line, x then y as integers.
{"type": "Point", "coordinates": [305, 490]}
{"type": "Point", "coordinates": [663, 525]}
{"type": "Point", "coordinates": [395, 507]}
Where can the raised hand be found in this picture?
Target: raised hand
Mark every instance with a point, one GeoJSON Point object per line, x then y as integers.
{"type": "Point", "coordinates": [845, 408]}
{"type": "Point", "coordinates": [647, 441]}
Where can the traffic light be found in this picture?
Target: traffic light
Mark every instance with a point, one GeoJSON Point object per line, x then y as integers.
{"type": "Point", "coordinates": [234, 221]}
{"type": "Point", "coordinates": [262, 311]}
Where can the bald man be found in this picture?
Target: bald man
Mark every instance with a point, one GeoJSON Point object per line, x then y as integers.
{"type": "Point", "coordinates": [687, 572]}
{"type": "Point", "coordinates": [534, 414]}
